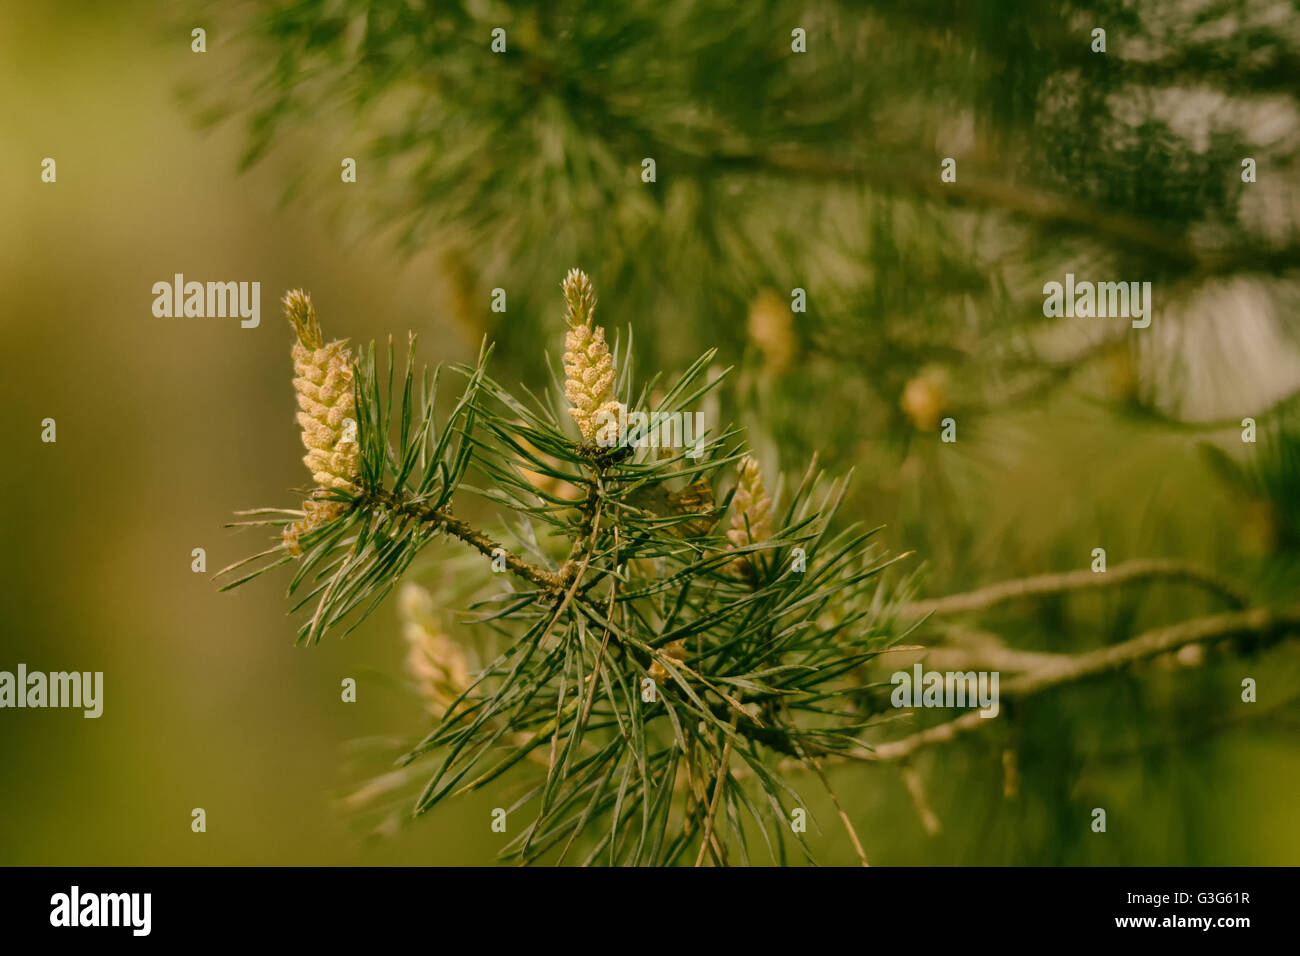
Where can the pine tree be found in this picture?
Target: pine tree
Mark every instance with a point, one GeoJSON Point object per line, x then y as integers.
{"type": "Point", "coordinates": [822, 170]}
{"type": "Point", "coordinates": [862, 219]}
{"type": "Point", "coordinates": [660, 667]}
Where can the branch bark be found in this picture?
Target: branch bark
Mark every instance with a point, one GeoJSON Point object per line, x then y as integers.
{"type": "Point", "coordinates": [445, 521]}
{"type": "Point", "coordinates": [1078, 581]}
{"type": "Point", "coordinates": [1046, 208]}
{"type": "Point", "coordinates": [1263, 622]}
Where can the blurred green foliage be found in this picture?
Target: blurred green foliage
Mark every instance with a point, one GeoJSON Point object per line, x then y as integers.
{"type": "Point", "coordinates": [820, 171]}
{"type": "Point", "coordinates": [816, 170]}
{"type": "Point", "coordinates": [775, 170]}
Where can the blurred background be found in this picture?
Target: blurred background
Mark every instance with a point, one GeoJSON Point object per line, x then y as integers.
{"type": "Point", "coordinates": [774, 170]}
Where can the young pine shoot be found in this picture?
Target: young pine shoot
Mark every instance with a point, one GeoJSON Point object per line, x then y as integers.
{"type": "Point", "coordinates": [650, 639]}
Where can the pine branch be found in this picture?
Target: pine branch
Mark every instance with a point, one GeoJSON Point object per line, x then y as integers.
{"type": "Point", "coordinates": [443, 520]}
{"type": "Point", "coordinates": [989, 657]}
{"type": "Point", "coordinates": [706, 842]}
{"type": "Point", "coordinates": [992, 192]}
{"type": "Point", "coordinates": [1260, 622]}
{"type": "Point", "coordinates": [1126, 573]}
{"type": "Point", "coordinates": [707, 618]}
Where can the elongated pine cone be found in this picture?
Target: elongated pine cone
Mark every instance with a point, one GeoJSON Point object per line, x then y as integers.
{"type": "Point", "coordinates": [751, 514]}
{"type": "Point", "coordinates": [751, 518]}
{"type": "Point", "coordinates": [434, 660]}
{"type": "Point", "coordinates": [327, 415]}
{"type": "Point", "coordinates": [327, 408]}
{"type": "Point", "coordinates": [589, 371]}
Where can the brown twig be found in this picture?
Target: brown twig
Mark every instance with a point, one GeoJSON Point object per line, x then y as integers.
{"type": "Point", "coordinates": [717, 796]}
{"type": "Point", "coordinates": [986, 190]}
{"type": "Point", "coordinates": [1125, 573]}
{"type": "Point", "coordinates": [476, 539]}
{"type": "Point", "coordinates": [989, 657]}
{"type": "Point", "coordinates": [1068, 669]}
{"type": "Point", "coordinates": [1261, 621]}
{"type": "Point", "coordinates": [839, 809]}
{"type": "Point", "coordinates": [916, 790]}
